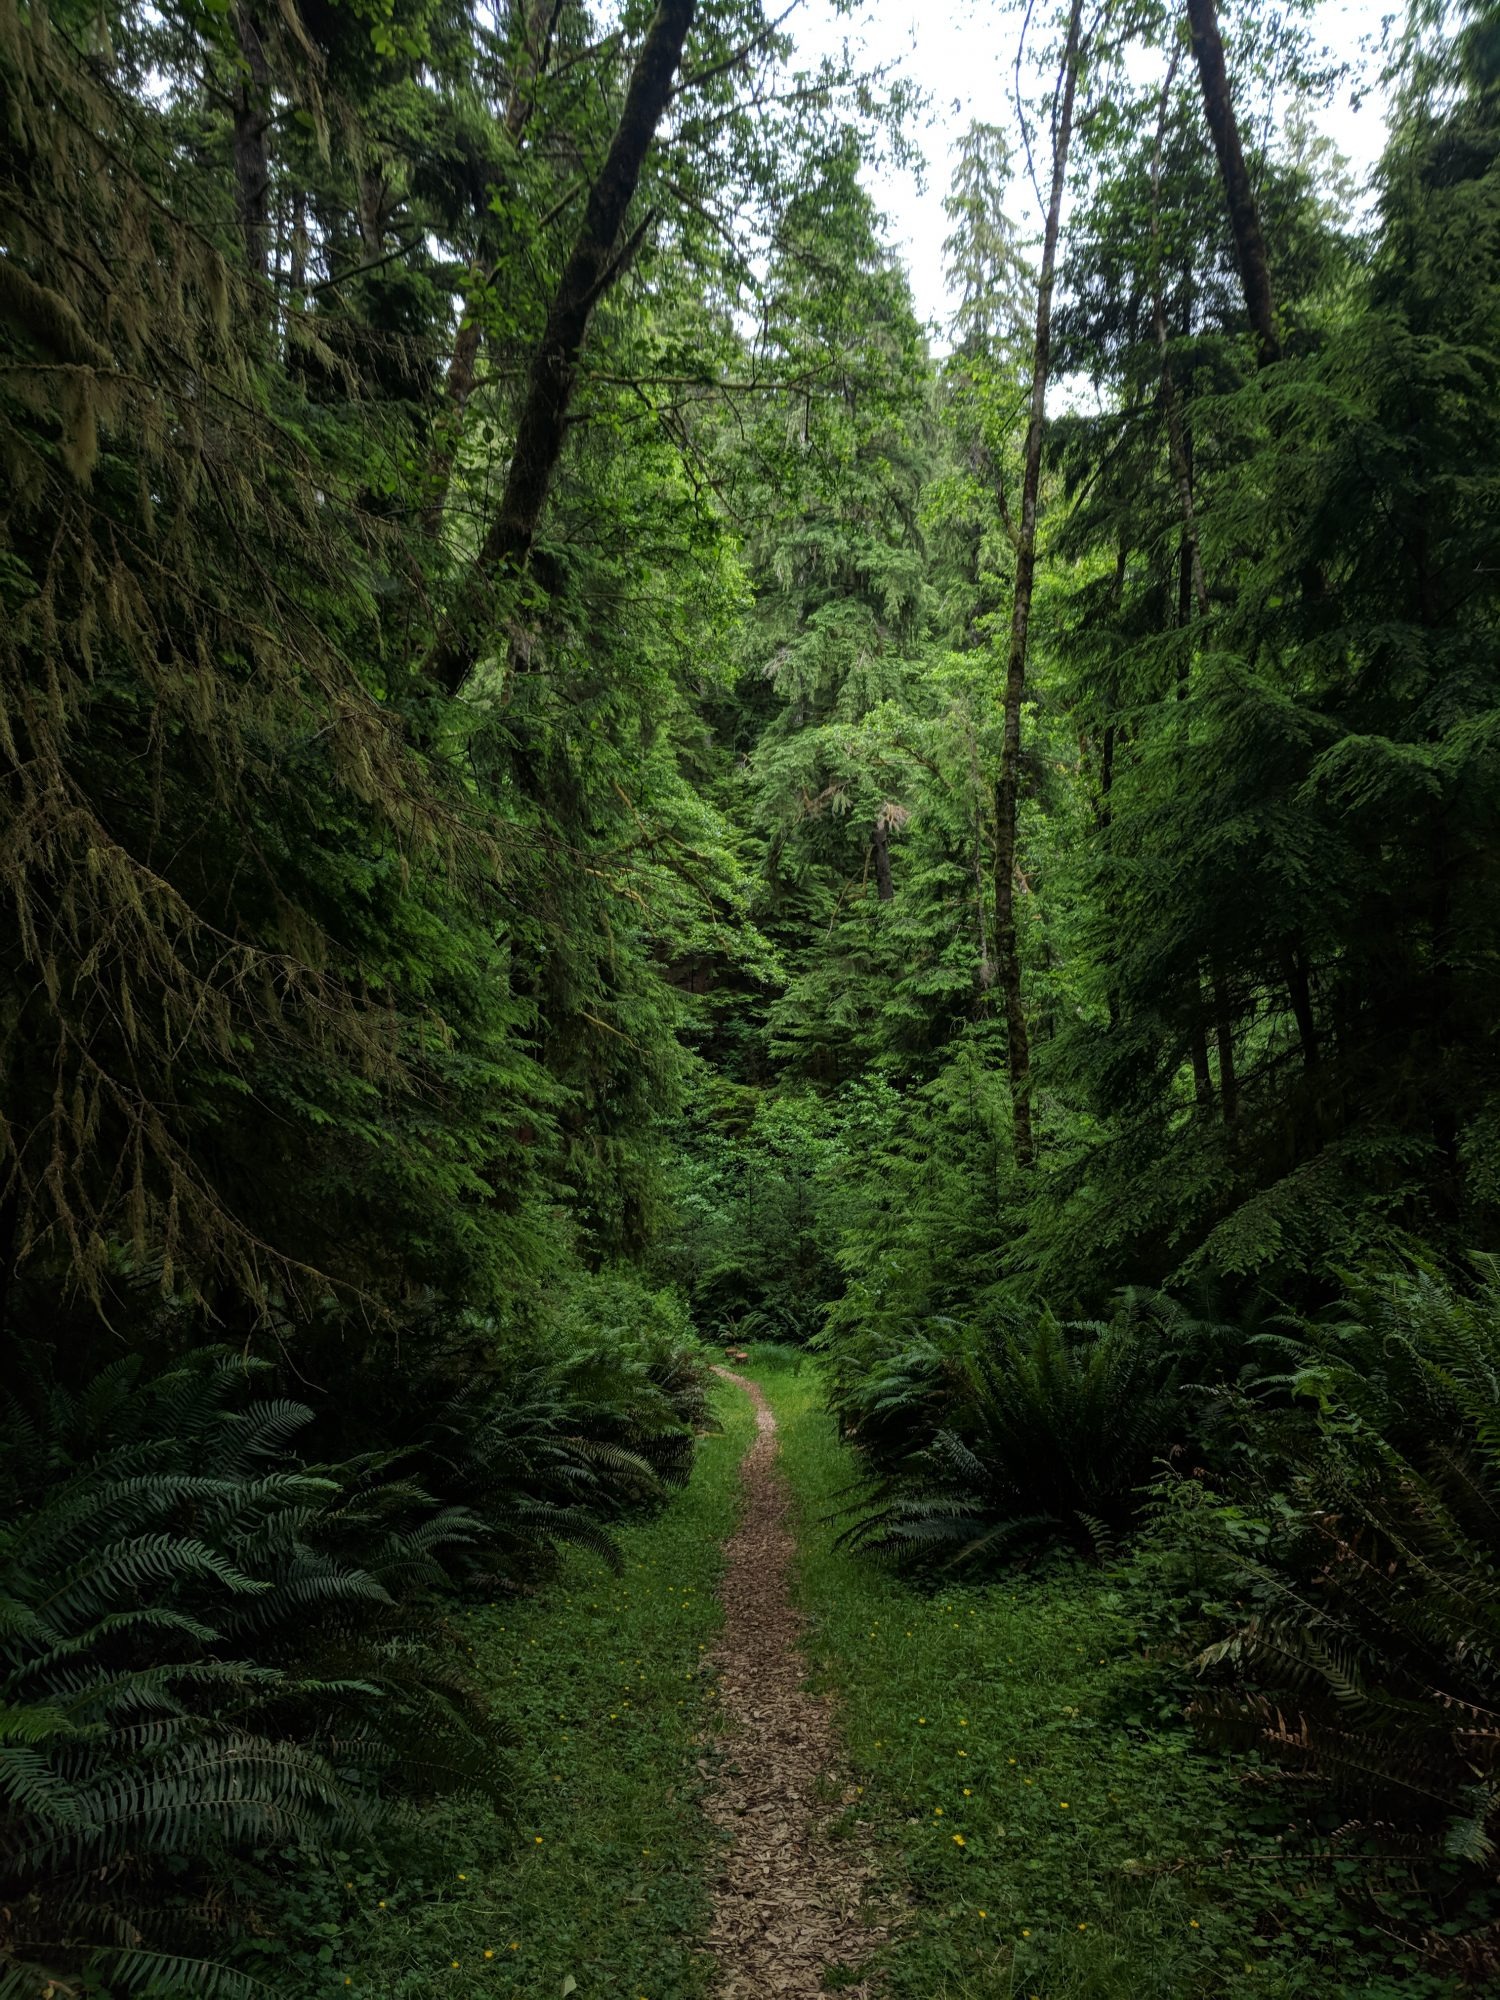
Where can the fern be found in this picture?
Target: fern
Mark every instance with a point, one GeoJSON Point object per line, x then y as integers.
{"type": "Point", "coordinates": [1370, 1655]}
{"type": "Point", "coordinates": [1036, 1433]}
{"type": "Point", "coordinates": [206, 1650]}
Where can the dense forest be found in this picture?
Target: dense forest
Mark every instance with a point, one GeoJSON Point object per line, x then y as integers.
{"type": "Point", "coordinates": [582, 788]}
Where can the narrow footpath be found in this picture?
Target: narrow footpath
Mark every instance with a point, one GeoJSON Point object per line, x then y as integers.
{"type": "Point", "coordinates": [787, 1897]}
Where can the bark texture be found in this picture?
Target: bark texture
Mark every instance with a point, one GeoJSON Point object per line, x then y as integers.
{"type": "Point", "coordinates": [595, 261]}
{"type": "Point", "coordinates": [1008, 789]}
{"type": "Point", "coordinates": [252, 160]}
{"type": "Point", "coordinates": [880, 844]}
{"type": "Point", "coordinates": [538, 22]}
{"type": "Point", "coordinates": [1244, 215]}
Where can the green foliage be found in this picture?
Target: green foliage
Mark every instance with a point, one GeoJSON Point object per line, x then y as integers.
{"type": "Point", "coordinates": [1105, 1855]}
{"type": "Point", "coordinates": [1368, 1571]}
{"type": "Point", "coordinates": [1286, 907]}
{"type": "Point", "coordinates": [212, 1651]}
{"type": "Point", "coordinates": [986, 1441]}
{"type": "Point", "coordinates": [598, 1871]}
{"type": "Point", "coordinates": [221, 1654]}
{"type": "Point", "coordinates": [474, 1053]}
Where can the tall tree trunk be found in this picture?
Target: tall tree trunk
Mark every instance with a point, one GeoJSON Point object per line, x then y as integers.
{"type": "Point", "coordinates": [1008, 789]}
{"type": "Point", "coordinates": [1192, 592]}
{"type": "Point", "coordinates": [1189, 581]}
{"type": "Point", "coordinates": [985, 972]}
{"type": "Point", "coordinates": [597, 258]}
{"type": "Point", "coordinates": [1244, 216]}
{"type": "Point", "coordinates": [1229, 1092]}
{"type": "Point", "coordinates": [252, 121]}
{"type": "Point", "coordinates": [373, 199]}
{"type": "Point", "coordinates": [1299, 992]}
{"type": "Point", "coordinates": [1177, 444]}
{"type": "Point", "coordinates": [538, 23]}
{"type": "Point", "coordinates": [881, 847]}
{"type": "Point", "coordinates": [297, 260]}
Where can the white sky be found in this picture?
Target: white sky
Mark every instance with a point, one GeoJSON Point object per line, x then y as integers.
{"type": "Point", "coordinates": [961, 52]}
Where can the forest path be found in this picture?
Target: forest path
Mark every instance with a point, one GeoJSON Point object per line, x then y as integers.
{"type": "Point", "coordinates": [786, 1900]}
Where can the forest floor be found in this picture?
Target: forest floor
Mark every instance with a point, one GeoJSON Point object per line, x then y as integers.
{"type": "Point", "coordinates": [786, 1901]}
{"type": "Point", "coordinates": [757, 1766]}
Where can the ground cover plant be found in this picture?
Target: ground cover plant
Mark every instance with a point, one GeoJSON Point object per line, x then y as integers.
{"type": "Point", "coordinates": [1362, 1559]}
{"type": "Point", "coordinates": [982, 1442]}
{"type": "Point", "coordinates": [594, 1871]}
{"type": "Point", "coordinates": [226, 1658]}
{"type": "Point", "coordinates": [1048, 1821]}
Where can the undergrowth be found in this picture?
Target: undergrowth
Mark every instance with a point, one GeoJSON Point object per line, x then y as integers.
{"type": "Point", "coordinates": [596, 1872]}
{"type": "Point", "coordinates": [1046, 1823]}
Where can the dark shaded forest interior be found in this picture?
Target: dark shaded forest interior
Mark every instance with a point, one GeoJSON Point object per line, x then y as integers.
{"type": "Point", "coordinates": [583, 786]}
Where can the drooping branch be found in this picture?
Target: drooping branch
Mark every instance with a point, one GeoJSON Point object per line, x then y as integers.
{"type": "Point", "coordinates": [1008, 788]}
{"type": "Point", "coordinates": [1244, 215]}
{"type": "Point", "coordinates": [595, 262]}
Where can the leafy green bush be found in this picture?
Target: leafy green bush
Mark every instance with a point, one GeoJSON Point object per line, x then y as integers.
{"type": "Point", "coordinates": [222, 1644]}
{"type": "Point", "coordinates": [209, 1650]}
{"type": "Point", "coordinates": [1039, 1432]}
{"type": "Point", "coordinates": [1367, 1550]}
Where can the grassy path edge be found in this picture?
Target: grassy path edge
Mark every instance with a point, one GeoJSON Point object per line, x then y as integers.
{"type": "Point", "coordinates": [1031, 1790]}
{"type": "Point", "coordinates": [600, 1876]}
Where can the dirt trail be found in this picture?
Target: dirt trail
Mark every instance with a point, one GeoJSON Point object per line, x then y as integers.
{"type": "Point", "coordinates": [786, 1902]}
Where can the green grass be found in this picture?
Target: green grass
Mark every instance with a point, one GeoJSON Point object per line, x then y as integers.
{"type": "Point", "coordinates": [600, 1875]}
{"type": "Point", "coordinates": [1034, 1797]}
{"type": "Point", "coordinates": [770, 1358]}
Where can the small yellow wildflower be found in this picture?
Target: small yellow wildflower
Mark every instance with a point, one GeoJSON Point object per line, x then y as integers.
{"type": "Point", "coordinates": [959, 1841]}
{"type": "Point", "coordinates": [1083, 1927]}
{"type": "Point", "coordinates": [1026, 1933]}
{"type": "Point", "coordinates": [489, 1954]}
{"type": "Point", "coordinates": [461, 1876]}
{"type": "Point", "coordinates": [380, 1906]}
{"type": "Point", "coordinates": [538, 1840]}
{"type": "Point", "coordinates": [982, 1913]}
{"type": "Point", "coordinates": [938, 1811]}
{"type": "Point", "coordinates": [968, 1792]}
{"type": "Point", "coordinates": [1192, 1923]}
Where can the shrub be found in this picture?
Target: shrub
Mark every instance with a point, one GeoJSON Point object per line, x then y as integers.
{"type": "Point", "coordinates": [1369, 1653]}
{"type": "Point", "coordinates": [208, 1650]}
{"type": "Point", "coordinates": [1032, 1433]}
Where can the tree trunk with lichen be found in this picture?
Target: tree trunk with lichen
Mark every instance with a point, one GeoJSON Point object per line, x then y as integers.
{"type": "Point", "coordinates": [252, 159]}
{"type": "Point", "coordinates": [599, 255]}
{"type": "Point", "coordinates": [538, 21]}
{"type": "Point", "coordinates": [1008, 787]}
{"type": "Point", "coordinates": [1244, 215]}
